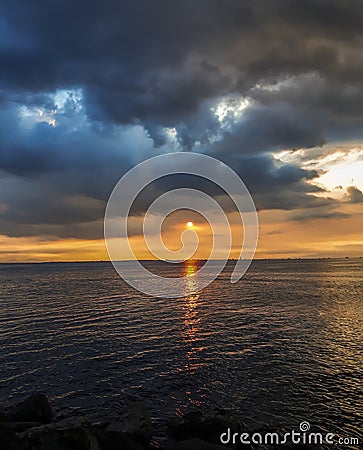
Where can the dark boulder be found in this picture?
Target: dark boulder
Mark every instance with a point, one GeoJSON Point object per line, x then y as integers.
{"type": "Point", "coordinates": [18, 427]}
{"type": "Point", "coordinates": [7, 438]}
{"type": "Point", "coordinates": [114, 440]}
{"type": "Point", "coordinates": [55, 437]}
{"type": "Point", "coordinates": [35, 408]}
{"type": "Point", "coordinates": [206, 427]}
{"type": "Point", "coordinates": [134, 421]}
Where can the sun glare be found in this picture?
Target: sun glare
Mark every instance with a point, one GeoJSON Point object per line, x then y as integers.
{"type": "Point", "coordinates": [190, 224]}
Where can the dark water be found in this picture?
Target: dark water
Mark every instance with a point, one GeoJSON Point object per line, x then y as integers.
{"type": "Point", "coordinates": [281, 346]}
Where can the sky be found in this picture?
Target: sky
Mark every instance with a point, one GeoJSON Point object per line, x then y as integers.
{"type": "Point", "coordinates": [90, 89]}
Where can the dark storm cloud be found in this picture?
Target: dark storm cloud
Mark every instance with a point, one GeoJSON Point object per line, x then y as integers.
{"type": "Point", "coordinates": [166, 65]}
{"type": "Point", "coordinates": [156, 62]}
{"type": "Point", "coordinates": [32, 147]}
{"type": "Point", "coordinates": [274, 128]}
{"type": "Point", "coordinates": [354, 195]}
{"type": "Point", "coordinates": [312, 93]}
{"type": "Point", "coordinates": [72, 203]}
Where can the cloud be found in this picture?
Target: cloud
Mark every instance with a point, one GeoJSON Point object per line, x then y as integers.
{"type": "Point", "coordinates": [87, 93]}
{"type": "Point", "coordinates": [158, 63]}
{"type": "Point", "coordinates": [354, 195]}
{"type": "Point", "coordinates": [323, 213]}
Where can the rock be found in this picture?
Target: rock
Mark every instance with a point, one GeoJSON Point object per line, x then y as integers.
{"type": "Point", "coordinates": [207, 427]}
{"type": "Point", "coordinates": [74, 436]}
{"type": "Point", "coordinates": [135, 421]}
{"type": "Point", "coordinates": [71, 422]}
{"type": "Point", "coordinates": [7, 438]}
{"type": "Point", "coordinates": [114, 440]}
{"type": "Point", "coordinates": [35, 408]}
{"type": "Point", "coordinates": [51, 438]}
{"type": "Point", "coordinates": [18, 426]}
{"type": "Point", "coordinates": [196, 444]}
{"type": "Point", "coordinates": [2, 417]}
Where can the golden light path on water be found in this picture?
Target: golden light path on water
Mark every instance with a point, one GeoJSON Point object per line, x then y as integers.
{"type": "Point", "coordinates": [282, 346]}
{"type": "Point", "coordinates": [191, 322]}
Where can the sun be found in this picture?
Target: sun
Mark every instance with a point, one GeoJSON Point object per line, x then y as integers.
{"type": "Point", "coordinates": [190, 224]}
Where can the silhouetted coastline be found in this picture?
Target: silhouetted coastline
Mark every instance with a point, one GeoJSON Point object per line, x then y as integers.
{"type": "Point", "coordinates": [29, 425]}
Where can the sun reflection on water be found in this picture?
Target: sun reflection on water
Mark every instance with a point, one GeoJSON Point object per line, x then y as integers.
{"type": "Point", "coordinates": [192, 330]}
{"type": "Point", "coordinates": [191, 300]}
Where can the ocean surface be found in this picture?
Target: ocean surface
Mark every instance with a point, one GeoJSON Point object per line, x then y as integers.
{"type": "Point", "coordinates": [282, 346]}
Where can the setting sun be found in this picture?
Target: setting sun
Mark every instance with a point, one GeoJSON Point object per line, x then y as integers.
{"type": "Point", "coordinates": [190, 224]}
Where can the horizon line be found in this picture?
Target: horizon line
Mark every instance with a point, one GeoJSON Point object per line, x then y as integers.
{"type": "Point", "coordinates": [181, 262]}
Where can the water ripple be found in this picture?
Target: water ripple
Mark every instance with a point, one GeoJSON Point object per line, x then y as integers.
{"type": "Point", "coordinates": [281, 346]}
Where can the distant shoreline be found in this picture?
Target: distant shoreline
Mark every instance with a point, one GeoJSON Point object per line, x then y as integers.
{"type": "Point", "coordinates": [342, 258]}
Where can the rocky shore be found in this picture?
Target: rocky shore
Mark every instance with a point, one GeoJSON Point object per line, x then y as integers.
{"type": "Point", "coordinates": [29, 426]}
